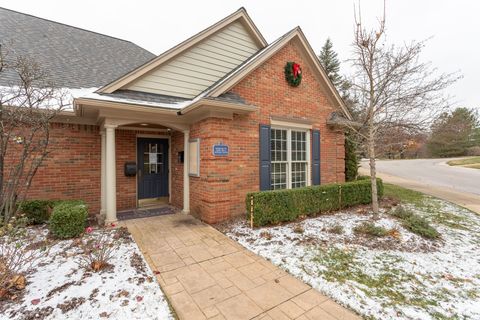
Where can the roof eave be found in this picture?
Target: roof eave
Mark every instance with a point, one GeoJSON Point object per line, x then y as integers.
{"type": "Point", "coordinates": [225, 105]}
{"type": "Point", "coordinates": [344, 125]}
{"type": "Point", "coordinates": [123, 105]}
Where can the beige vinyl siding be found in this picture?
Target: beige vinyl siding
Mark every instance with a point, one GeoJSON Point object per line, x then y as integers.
{"type": "Point", "coordinates": [194, 70]}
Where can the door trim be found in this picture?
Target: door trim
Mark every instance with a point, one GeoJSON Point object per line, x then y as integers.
{"type": "Point", "coordinates": [155, 136]}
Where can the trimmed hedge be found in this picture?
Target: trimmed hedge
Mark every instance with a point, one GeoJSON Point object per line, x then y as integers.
{"type": "Point", "coordinates": [68, 219]}
{"type": "Point", "coordinates": [272, 207]}
{"type": "Point", "coordinates": [36, 211]}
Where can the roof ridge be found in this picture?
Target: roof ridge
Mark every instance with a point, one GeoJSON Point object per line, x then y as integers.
{"type": "Point", "coordinates": [71, 26]}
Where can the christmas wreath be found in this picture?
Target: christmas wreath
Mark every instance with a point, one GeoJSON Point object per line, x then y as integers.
{"type": "Point", "coordinates": [293, 73]}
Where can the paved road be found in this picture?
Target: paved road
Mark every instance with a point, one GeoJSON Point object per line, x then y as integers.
{"type": "Point", "coordinates": [433, 172]}
{"type": "Point", "coordinates": [435, 177]}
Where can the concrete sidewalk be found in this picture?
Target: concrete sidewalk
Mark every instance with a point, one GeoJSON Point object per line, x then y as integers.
{"type": "Point", "coordinates": [466, 200]}
{"type": "Point", "coordinates": [206, 275]}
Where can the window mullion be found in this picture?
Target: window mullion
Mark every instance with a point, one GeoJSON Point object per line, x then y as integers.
{"type": "Point", "coordinates": [289, 159]}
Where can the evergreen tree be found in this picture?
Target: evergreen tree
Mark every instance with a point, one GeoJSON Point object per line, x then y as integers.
{"type": "Point", "coordinates": [329, 59]}
{"type": "Point", "coordinates": [453, 133]}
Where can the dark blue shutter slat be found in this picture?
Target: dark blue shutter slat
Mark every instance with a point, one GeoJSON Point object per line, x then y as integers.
{"type": "Point", "coordinates": [265, 162]}
{"type": "Point", "coordinates": [315, 157]}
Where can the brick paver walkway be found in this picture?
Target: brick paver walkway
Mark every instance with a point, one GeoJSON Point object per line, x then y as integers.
{"type": "Point", "coordinates": [206, 275]}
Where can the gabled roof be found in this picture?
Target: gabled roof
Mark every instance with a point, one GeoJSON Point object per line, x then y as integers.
{"type": "Point", "coordinates": [74, 57]}
{"type": "Point", "coordinates": [230, 80]}
{"type": "Point", "coordinates": [220, 90]}
{"type": "Point", "coordinates": [240, 15]}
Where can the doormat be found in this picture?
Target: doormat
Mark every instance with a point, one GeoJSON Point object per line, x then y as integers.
{"type": "Point", "coordinates": [145, 213]}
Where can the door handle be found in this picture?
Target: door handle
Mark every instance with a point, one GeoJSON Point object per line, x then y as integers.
{"type": "Point", "coordinates": [139, 173]}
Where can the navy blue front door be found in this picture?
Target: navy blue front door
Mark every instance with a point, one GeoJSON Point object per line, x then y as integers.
{"type": "Point", "coordinates": [152, 159]}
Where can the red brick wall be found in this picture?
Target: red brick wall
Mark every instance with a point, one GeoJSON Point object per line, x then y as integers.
{"type": "Point", "coordinates": [126, 151]}
{"type": "Point", "coordinates": [72, 169]}
{"type": "Point", "coordinates": [220, 191]}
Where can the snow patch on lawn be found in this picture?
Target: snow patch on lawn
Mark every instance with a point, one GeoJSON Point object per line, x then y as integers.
{"type": "Point", "coordinates": [128, 291]}
{"type": "Point", "coordinates": [384, 278]}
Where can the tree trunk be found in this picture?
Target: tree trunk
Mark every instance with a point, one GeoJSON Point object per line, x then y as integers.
{"type": "Point", "coordinates": [373, 170]}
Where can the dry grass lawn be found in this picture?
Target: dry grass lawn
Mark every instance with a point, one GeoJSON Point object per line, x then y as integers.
{"type": "Point", "coordinates": [473, 162]}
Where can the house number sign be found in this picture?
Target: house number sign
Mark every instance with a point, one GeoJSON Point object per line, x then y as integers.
{"type": "Point", "coordinates": [220, 150]}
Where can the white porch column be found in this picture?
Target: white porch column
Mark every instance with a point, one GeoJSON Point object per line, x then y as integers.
{"type": "Point", "coordinates": [186, 178]}
{"type": "Point", "coordinates": [103, 185]}
{"type": "Point", "coordinates": [111, 178]}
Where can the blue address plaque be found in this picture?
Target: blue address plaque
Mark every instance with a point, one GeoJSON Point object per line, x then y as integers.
{"type": "Point", "coordinates": [220, 150]}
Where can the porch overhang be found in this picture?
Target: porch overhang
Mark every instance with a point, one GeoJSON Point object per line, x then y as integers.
{"type": "Point", "coordinates": [196, 110]}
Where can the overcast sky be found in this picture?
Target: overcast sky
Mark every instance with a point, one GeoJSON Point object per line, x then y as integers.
{"type": "Point", "coordinates": [158, 25]}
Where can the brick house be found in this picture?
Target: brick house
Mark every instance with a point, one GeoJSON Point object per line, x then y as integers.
{"type": "Point", "coordinates": [196, 127]}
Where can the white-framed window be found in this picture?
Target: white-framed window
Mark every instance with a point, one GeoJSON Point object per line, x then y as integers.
{"type": "Point", "coordinates": [290, 158]}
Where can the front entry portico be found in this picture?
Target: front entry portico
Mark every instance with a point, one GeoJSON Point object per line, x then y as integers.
{"type": "Point", "coordinates": [151, 149]}
{"type": "Point", "coordinates": [122, 123]}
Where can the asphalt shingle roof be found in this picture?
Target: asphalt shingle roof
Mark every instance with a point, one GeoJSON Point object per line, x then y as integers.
{"type": "Point", "coordinates": [144, 97]}
{"type": "Point", "coordinates": [75, 58]}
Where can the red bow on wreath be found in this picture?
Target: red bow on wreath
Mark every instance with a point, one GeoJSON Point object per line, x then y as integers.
{"type": "Point", "coordinates": [296, 70]}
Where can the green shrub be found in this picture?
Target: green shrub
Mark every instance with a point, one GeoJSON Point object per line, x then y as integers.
{"type": "Point", "coordinates": [363, 177]}
{"type": "Point", "coordinates": [272, 207]}
{"type": "Point", "coordinates": [351, 161]}
{"type": "Point", "coordinates": [370, 229]}
{"type": "Point", "coordinates": [71, 202]}
{"type": "Point", "coordinates": [68, 219]}
{"type": "Point", "coordinates": [420, 226]}
{"type": "Point", "coordinates": [415, 223]}
{"type": "Point", "coordinates": [401, 213]}
{"type": "Point", "coordinates": [36, 211]}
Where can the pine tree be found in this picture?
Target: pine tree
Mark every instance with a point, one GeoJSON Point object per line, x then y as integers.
{"type": "Point", "coordinates": [329, 59]}
{"type": "Point", "coordinates": [453, 133]}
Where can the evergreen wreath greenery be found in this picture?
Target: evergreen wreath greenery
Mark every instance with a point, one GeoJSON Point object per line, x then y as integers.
{"type": "Point", "coordinates": [293, 73]}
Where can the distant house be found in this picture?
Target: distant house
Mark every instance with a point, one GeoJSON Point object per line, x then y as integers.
{"type": "Point", "coordinates": [197, 127]}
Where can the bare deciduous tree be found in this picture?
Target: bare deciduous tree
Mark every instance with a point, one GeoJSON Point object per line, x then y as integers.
{"type": "Point", "coordinates": [27, 106]}
{"type": "Point", "coordinates": [393, 87]}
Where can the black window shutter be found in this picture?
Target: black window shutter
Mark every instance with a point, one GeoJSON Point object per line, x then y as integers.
{"type": "Point", "coordinates": [315, 157]}
{"type": "Point", "coordinates": [265, 163]}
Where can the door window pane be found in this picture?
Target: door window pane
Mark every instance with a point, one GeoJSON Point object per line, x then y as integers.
{"type": "Point", "coordinates": [153, 158]}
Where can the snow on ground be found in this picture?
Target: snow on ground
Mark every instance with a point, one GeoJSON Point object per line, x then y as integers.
{"type": "Point", "coordinates": [67, 291]}
{"type": "Point", "coordinates": [381, 278]}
